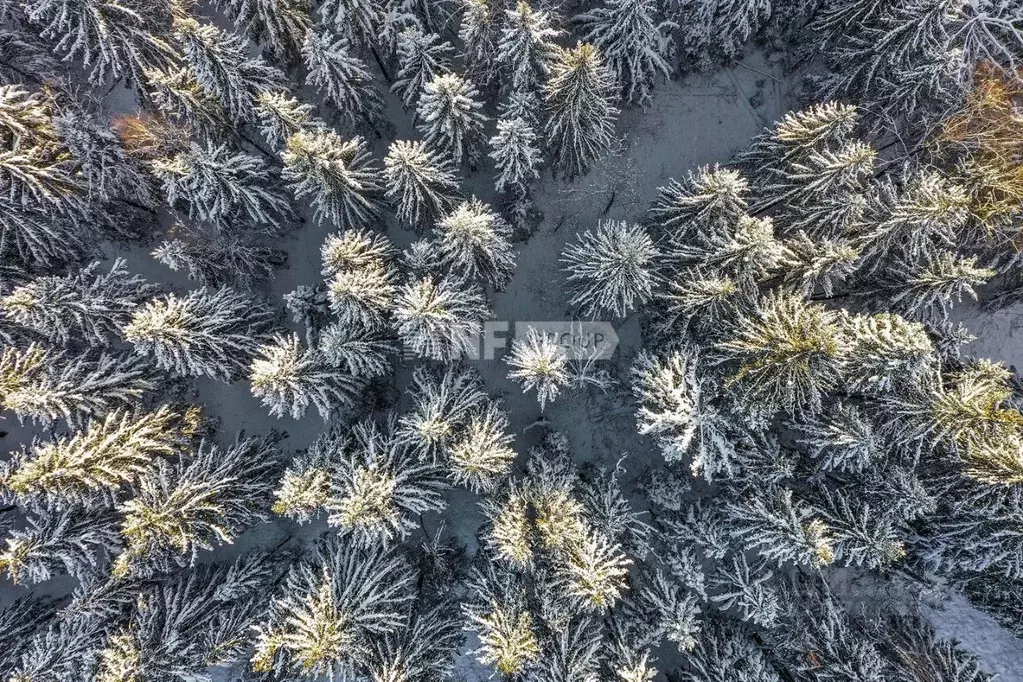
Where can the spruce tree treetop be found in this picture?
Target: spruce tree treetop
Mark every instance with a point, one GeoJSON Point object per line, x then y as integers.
{"type": "Point", "coordinates": [579, 95]}
{"type": "Point", "coordinates": [635, 45]}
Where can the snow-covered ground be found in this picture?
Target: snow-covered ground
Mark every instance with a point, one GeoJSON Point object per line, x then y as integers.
{"type": "Point", "coordinates": [999, 333]}
{"type": "Point", "coordinates": [998, 650]}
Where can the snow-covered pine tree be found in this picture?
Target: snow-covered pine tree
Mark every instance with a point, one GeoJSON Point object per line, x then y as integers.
{"type": "Point", "coordinates": [475, 241]}
{"type": "Point", "coordinates": [912, 638]}
{"type": "Point", "coordinates": [111, 41]}
{"type": "Point", "coordinates": [440, 318]}
{"type": "Point", "coordinates": [928, 288]}
{"type": "Point", "coordinates": [888, 354]}
{"type": "Point", "coordinates": [504, 625]}
{"type": "Point", "coordinates": [357, 21]}
{"type": "Point", "coordinates": [432, 16]}
{"type": "Point", "coordinates": [671, 613]}
{"type": "Point", "coordinates": [560, 519]}
{"type": "Point", "coordinates": [288, 378]}
{"type": "Point", "coordinates": [203, 501]}
{"type": "Point", "coordinates": [420, 257]}
{"type": "Point", "coordinates": [797, 134]}
{"type": "Point", "coordinates": [677, 407]}
{"type": "Point", "coordinates": [507, 640]}
{"type": "Point", "coordinates": [194, 620]}
{"type": "Point", "coordinates": [834, 170]}
{"type": "Point", "coordinates": [338, 175]}
{"type": "Point", "coordinates": [329, 608]}
{"type": "Point", "coordinates": [212, 260]}
{"type": "Point", "coordinates": [396, 18]}
{"type": "Point", "coordinates": [450, 117]}
{"type": "Point", "coordinates": [845, 438]}
{"type": "Point", "coordinates": [46, 386]}
{"type": "Point", "coordinates": [521, 104]}
{"type": "Point", "coordinates": [421, 58]}
{"type": "Point", "coordinates": [814, 621]}
{"type": "Point", "coordinates": [52, 646]}
{"type": "Point", "coordinates": [717, 31]}
{"type": "Point", "coordinates": [281, 116]}
{"type": "Point", "coordinates": [37, 172]}
{"type": "Point", "coordinates": [609, 512]}
{"type": "Point", "coordinates": [353, 250]}
{"type": "Point", "coordinates": [208, 332]}
{"type": "Point", "coordinates": [107, 171]}
{"type": "Point", "coordinates": [425, 650]}
{"type": "Point", "coordinates": [26, 116]}
{"type": "Point", "coordinates": [861, 535]}
{"type": "Point", "coordinates": [361, 352]}
{"type": "Point", "coordinates": [343, 78]}
{"type": "Point", "coordinates": [574, 653]}
{"type": "Point", "coordinates": [363, 296]}
{"type": "Point", "coordinates": [55, 543]}
{"type": "Point", "coordinates": [279, 25]}
{"type": "Point", "coordinates": [635, 45]}
{"type": "Point", "coordinates": [783, 530]}
{"type": "Point", "coordinates": [91, 467]}
{"type": "Point", "coordinates": [88, 305]}
{"type": "Point", "coordinates": [516, 156]}
{"type": "Point", "coordinates": [441, 408]}
{"type": "Point", "coordinates": [64, 647]}
{"type": "Point", "coordinates": [509, 536]}
{"type": "Point", "coordinates": [697, 531]}
{"type": "Point", "coordinates": [421, 184]}
{"type": "Point", "coordinates": [594, 573]}
{"type": "Point", "coordinates": [874, 425]}
{"type": "Point", "coordinates": [891, 45]}
{"type": "Point", "coordinates": [223, 67]}
{"type": "Point", "coordinates": [308, 307]}
{"type": "Point", "coordinates": [361, 278]}
{"type": "Point", "coordinates": [998, 595]}
{"type": "Point", "coordinates": [689, 549]}
{"type": "Point", "coordinates": [611, 271]}
{"type": "Point", "coordinates": [834, 18]}
{"type": "Point", "coordinates": [219, 185]}
{"type": "Point", "coordinates": [702, 204]}
{"type": "Point", "coordinates": [631, 665]}
{"type": "Point", "coordinates": [969, 408]}
{"type": "Point", "coordinates": [540, 361]}
{"type": "Point", "coordinates": [526, 48]}
{"type": "Point", "coordinates": [747, 252]}
{"type": "Point", "coordinates": [915, 210]}
{"type": "Point", "coordinates": [580, 97]}
{"type": "Point", "coordinates": [813, 267]}
{"type": "Point", "coordinates": [304, 487]}
{"type": "Point", "coordinates": [790, 353]}
{"type": "Point", "coordinates": [19, 621]}
{"type": "Point", "coordinates": [481, 454]}
{"type": "Point", "coordinates": [379, 488]}
{"type": "Point", "coordinates": [177, 96]}
{"type": "Point", "coordinates": [903, 644]}
{"type": "Point", "coordinates": [39, 241]}
{"type": "Point", "coordinates": [479, 30]}
{"type": "Point", "coordinates": [747, 589]}
{"type": "Point", "coordinates": [971, 536]}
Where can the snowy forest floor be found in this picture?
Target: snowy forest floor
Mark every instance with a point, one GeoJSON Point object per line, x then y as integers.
{"type": "Point", "coordinates": [692, 122]}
